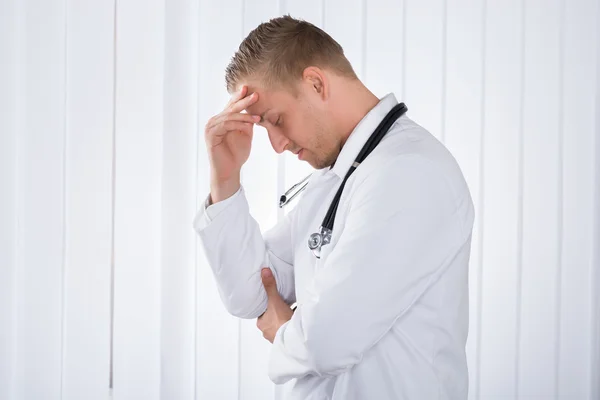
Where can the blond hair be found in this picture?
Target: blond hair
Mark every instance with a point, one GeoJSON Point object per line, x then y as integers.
{"type": "Point", "coordinates": [276, 53]}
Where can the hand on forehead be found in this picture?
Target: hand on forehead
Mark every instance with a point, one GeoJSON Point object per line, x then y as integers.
{"type": "Point", "coordinates": [242, 100]}
{"type": "Point", "coordinates": [256, 106]}
{"type": "Point", "coordinates": [263, 103]}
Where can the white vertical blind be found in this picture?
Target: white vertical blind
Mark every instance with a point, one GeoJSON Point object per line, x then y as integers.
{"type": "Point", "coordinates": [595, 281]}
{"type": "Point", "coordinates": [581, 162]}
{"type": "Point", "coordinates": [103, 166]}
{"type": "Point", "coordinates": [88, 194]}
{"type": "Point", "coordinates": [9, 47]}
{"type": "Point", "coordinates": [178, 277]}
{"type": "Point", "coordinates": [595, 275]}
{"type": "Point", "coordinates": [424, 63]}
{"type": "Point", "coordinates": [138, 160]}
{"type": "Point", "coordinates": [40, 166]}
{"type": "Point", "coordinates": [540, 213]}
{"type": "Point", "coordinates": [542, 200]}
{"type": "Point", "coordinates": [384, 43]}
{"type": "Point", "coordinates": [499, 215]}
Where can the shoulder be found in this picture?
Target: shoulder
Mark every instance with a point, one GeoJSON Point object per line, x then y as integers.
{"type": "Point", "coordinates": [410, 171]}
{"type": "Point", "coordinates": [409, 156]}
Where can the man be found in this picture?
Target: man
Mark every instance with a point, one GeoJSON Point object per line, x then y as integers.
{"type": "Point", "coordinates": [383, 313]}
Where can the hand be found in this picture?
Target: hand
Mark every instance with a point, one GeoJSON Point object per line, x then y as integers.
{"type": "Point", "coordinates": [278, 312]}
{"type": "Point", "coordinates": [228, 136]}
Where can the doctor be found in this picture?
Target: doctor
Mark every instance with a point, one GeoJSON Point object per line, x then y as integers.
{"type": "Point", "coordinates": [382, 309]}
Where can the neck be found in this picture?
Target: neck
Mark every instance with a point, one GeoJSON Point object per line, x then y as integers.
{"type": "Point", "coordinates": [355, 102]}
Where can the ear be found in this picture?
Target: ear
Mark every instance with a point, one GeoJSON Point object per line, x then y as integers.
{"type": "Point", "coordinates": [317, 81]}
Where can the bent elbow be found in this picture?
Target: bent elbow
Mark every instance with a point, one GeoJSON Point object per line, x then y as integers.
{"type": "Point", "coordinates": [243, 304]}
{"type": "Point", "coordinates": [243, 311]}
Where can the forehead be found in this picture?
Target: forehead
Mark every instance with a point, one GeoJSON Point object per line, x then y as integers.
{"type": "Point", "coordinates": [268, 99]}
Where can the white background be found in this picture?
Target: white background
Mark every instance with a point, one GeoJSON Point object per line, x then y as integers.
{"type": "Point", "coordinates": [103, 166]}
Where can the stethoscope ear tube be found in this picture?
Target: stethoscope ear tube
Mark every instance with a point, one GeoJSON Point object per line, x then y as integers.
{"type": "Point", "coordinates": [323, 237]}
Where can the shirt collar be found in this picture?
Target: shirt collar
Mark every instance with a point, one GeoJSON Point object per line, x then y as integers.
{"type": "Point", "coordinates": [361, 133]}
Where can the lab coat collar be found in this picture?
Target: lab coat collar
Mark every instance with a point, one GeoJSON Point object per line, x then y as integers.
{"type": "Point", "coordinates": [361, 133]}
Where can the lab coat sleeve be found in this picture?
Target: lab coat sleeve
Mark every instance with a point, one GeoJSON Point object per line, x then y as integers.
{"type": "Point", "coordinates": [236, 251]}
{"type": "Point", "coordinates": [403, 227]}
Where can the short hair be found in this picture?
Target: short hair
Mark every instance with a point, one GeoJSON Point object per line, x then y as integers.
{"type": "Point", "coordinates": [277, 52]}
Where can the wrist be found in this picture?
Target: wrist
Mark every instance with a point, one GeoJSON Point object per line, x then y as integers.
{"type": "Point", "coordinates": [221, 188]}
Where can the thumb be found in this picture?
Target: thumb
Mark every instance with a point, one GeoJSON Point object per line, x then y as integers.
{"type": "Point", "coordinates": [269, 283]}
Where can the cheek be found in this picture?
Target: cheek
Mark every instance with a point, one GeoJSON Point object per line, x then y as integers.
{"type": "Point", "coordinates": [295, 134]}
{"type": "Point", "coordinates": [306, 132]}
{"type": "Point", "coordinates": [319, 137]}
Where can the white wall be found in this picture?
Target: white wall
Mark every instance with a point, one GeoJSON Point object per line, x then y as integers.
{"type": "Point", "coordinates": [103, 166]}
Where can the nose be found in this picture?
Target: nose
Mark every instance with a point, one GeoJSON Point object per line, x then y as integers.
{"type": "Point", "coordinates": [278, 140]}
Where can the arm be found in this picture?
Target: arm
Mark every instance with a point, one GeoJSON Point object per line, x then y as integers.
{"type": "Point", "coordinates": [403, 228]}
{"type": "Point", "coordinates": [236, 251]}
{"type": "Point", "coordinates": [232, 241]}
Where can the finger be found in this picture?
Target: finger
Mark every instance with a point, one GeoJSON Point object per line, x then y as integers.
{"type": "Point", "coordinates": [237, 96]}
{"type": "Point", "coordinates": [228, 126]}
{"type": "Point", "coordinates": [234, 117]}
{"type": "Point", "coordinates": [269, 283]}
{"type": "Point", "coordinates": [244, 103]}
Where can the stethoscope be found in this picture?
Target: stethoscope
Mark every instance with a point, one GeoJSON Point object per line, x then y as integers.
{"type": "Point", "coordinates": [323, 237]}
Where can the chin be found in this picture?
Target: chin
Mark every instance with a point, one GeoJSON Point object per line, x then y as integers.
{"type": "Point", "coordinates": [321, 163]}
{"type": "Point", "coordinates": [317, 162]}
{"type": "Point", "coordinates": [318, 165]}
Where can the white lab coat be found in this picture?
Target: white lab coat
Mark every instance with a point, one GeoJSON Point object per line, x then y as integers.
{"type": "Point", "coordinates": [384, 313]}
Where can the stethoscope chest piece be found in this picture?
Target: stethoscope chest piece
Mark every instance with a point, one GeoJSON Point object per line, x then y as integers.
{"type": "Point", "coordinates": [319, 239]}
